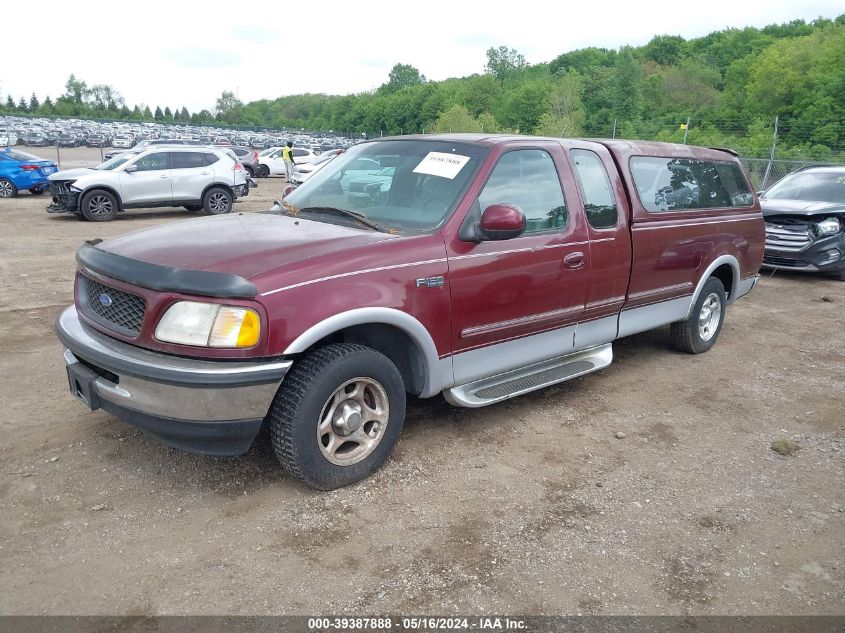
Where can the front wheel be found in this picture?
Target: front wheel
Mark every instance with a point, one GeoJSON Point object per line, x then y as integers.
{"type": "Point", "coordinates": [337, 415]}
{"type": "Point", "coordinates": [217, 201]}
{"type": "Point", "coordinates": [98, 206]}
{"type": "Point", "coordinates": [263, 171]}
{"type": "Point", "coordinates": [699, 332]}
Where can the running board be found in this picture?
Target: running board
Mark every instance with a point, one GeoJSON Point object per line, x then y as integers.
{"type": "Point", "coordinates": [530, 378]}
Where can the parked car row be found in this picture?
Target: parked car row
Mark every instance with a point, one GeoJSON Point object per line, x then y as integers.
{"type": "Point", "coordinates": [42, 132]}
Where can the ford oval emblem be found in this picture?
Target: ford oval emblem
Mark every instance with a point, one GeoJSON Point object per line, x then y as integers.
{"type": "Point", "coordinates": [105, 300]}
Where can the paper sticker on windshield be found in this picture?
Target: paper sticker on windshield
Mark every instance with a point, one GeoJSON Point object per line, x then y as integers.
{"type": "Point", "coordinates": [440, 164]}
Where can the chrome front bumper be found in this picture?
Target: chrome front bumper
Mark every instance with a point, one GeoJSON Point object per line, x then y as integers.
{"type": "Point", "coordinates": [201, 406]}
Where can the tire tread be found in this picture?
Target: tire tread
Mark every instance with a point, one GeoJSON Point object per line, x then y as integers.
{"type": "Point", "coordinates": [294, 389]}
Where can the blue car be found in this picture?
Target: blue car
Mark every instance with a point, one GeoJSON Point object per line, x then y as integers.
{"type": "Point", "coordinates": [19, 170]}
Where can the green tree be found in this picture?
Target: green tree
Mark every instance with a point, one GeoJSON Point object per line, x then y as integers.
{"type": "Point", "coordinates": [148, 116]}
{"type": "Point", "coordinates": [76, 91]}
{"type": "Point", "coordinates": [503, 61]}
{"type": "Point", "coordinates": [22, 106]}
{"type": "Point", "coordinates": [10, 104]}
{"type": "Point", "coordinates": [564, 115]}
{"type": "Point", "coordinates": [47, 107]}
{"type": "Point", "coordinates": [627, 90]}
{"type": "Point", "coordinates": [184, 116]}
{"type": "Point", "coordinates": [402, 76]}
{"type": "Point", "coordinates": [665, 49]}
{"type": "Point", "coordinates": [168, 115]}
{"type": "Point", "coordinates": [457, 119]}
{"type": "Point", "coordinates": [159, 115]}
{"type": "Point", "coordinates": [228, 107]}
{"type": "Point", "coordinates": [34, 104]}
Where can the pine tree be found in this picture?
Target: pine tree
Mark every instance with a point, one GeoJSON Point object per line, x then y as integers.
{"type": "Point", "coordinates": [34, 104]}
{"type": "Point", "coordinates": [168, 115]}
{"type": "Point", "coordinates": [22, 107]}
{"type": "Point", "coordinates": [159, 115]}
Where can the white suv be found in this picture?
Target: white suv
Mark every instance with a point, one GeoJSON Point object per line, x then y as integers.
{"type": "Point", "coordinates": [197, 178]}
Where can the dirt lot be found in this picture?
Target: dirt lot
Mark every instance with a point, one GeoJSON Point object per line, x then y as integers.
{"type": "Point", "coordinates": [532, 506]}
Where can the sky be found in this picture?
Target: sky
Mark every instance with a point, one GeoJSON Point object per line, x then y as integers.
{"type": "Point", "coordinates": [185, 54]}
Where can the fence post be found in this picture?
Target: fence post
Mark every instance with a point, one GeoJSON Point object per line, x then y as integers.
{"type": "Point", "coordinates": [771, 156]}
{"type": "Point", "coordinates": [614, 128]}
{"type": "Point", "coordinates": [686, 131]}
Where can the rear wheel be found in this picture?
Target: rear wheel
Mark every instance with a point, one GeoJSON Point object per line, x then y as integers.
{"type": "Point", "coordinates": [7, 188]}
{"type": "Point", "coordinates": [217, 201]}
{"type": "Point", "coordinates": [263, 171]}
{"type": "Point", "coordinates": [98, 206]}
{"type": "Point", "coordinates": [699, 332]}
{"type": "Point", "coordinates": [337, 415]}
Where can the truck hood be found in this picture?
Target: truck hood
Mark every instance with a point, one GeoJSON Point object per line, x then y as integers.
{"type": "Point", "coordinates": [239, 244]}
{"type": "Point", "coordinates": [800, 207]}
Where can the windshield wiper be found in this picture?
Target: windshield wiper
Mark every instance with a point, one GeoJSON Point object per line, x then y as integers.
{"type": "Point", "coordinates": [359, 217]}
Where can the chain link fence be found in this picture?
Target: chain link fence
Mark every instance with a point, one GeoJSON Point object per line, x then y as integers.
{"type": "Point", "coordinates": [764, 173]}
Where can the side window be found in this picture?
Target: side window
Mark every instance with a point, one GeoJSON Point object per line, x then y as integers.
{"type": "Point", "coordinates": [299, 153]}
{"type": "Point", "coordinates": [599, 203]}
{"type": "Point", "coordinates": [528, 179]}
{"type": "Point", "coordinates": [210, 158]}
{"type": "Point", "coordinates": [673, 184]}
{"type": "Point", "coordinates": [153, 162]}
{"type": "Point", "coordinates": [185, 160]}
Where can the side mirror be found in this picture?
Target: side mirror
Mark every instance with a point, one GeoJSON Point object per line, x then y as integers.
{"type": "Point", "coordinates": [131, 169]}
{"type": "Point", "coordinates": [501, 222]}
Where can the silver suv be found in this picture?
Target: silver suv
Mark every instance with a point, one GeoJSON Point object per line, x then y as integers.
{"type": "Point", "coordinates": [197, 178]}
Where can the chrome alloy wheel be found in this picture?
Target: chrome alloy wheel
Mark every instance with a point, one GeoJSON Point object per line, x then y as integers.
{"type": "Point", "coordinates": [5, 189]}
{"type": "Point", "coordinates": [353, 421]}
{"type": "Point", "coordinates": [709, 317]}
{"type": "Point", "coordinates": [99, 205]}
{"type": "Point", "coordinates": [218, 201]}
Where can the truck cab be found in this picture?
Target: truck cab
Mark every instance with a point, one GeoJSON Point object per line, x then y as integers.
{"type": "Point", "coordinates": [479, 267]}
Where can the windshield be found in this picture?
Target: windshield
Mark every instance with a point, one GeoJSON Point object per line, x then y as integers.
{"type": "Point", "coordinates": [811, 187]}
{"type": "Point", "coordinates": [117, 161]}
{"type": "Point", "coordinates": [408, 186]}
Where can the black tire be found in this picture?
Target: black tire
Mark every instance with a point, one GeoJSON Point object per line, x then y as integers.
{"type": "Point", "coordinates": [37, 191]}
{"type": "Point", "coordinates": [217, 201]}
{"type": "Point", "coordinates": [250, 171]}
{"type": "Point", "coordinates": [193, 207]}
{"type": "Point", "coordinates": [98, 205]}
{"type": "Point", "coordinates": [7, 188]}
{"type": "Point", "coordinates": [695, 335]}
{"type": "Point", "coordinates": [263, 171]}
{"type": "Point", "coordinates": [304, 398]}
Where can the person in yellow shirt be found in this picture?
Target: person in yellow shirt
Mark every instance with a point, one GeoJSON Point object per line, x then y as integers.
{"type": "Point", "coordinates": [287, 158]}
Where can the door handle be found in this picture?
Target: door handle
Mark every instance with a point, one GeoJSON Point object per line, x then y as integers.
{"type": "Point", "coordinates": [204, 173]}
{"type": "Point", "coordinates": [164, 176]}
{"type": "Point", "coordinates": [574, 260]}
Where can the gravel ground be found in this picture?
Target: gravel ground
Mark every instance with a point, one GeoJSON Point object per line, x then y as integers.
{"type": "Point", "coordinates": [647, 488]}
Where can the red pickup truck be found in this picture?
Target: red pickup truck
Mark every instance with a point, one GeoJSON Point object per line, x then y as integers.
{"type": "Point", "coordinates": [480, 267]}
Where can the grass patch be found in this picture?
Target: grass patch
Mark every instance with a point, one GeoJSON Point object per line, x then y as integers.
{"type": "Point", "coordinates": [784, 446]}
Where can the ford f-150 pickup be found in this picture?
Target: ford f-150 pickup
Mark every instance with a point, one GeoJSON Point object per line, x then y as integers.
{"type": "Point", "coordinates": [480, 267]}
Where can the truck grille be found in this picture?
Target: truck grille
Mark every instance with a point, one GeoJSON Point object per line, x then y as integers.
{"type": "Point", "coordinates": [111, 307]}
{"type": "Point", "coordinates": [788, 237]}
{"type": "Point", "coordinates": [785, 261]}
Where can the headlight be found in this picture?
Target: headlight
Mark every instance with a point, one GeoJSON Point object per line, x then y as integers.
{"type": "Point", "coordinates": [828, 226]}
{"type": "Point", "coordinates": [209, 325]}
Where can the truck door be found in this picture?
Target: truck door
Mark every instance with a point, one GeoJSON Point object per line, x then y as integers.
{"type": "Point", "coordinates": [605, 208]}
{"type": "Point", "coordinates": [518, 301]}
